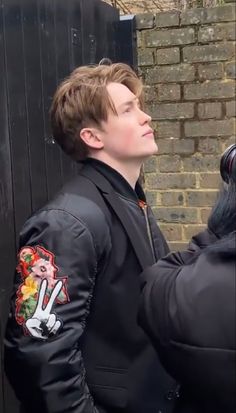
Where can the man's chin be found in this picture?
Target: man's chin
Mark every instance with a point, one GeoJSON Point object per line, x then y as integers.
{"type": "Point", "coordinates": [153, 150]}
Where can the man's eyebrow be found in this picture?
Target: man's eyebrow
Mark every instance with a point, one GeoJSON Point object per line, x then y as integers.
{"type": "Point", "coordinates": [129, 102]}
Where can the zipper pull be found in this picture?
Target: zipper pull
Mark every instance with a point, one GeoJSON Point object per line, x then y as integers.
{"type": "Point", "coordinates": [142, 204]}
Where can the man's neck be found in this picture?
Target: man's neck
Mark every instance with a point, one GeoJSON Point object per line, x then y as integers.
{"type": "Point", "coordinates": [130, 170]}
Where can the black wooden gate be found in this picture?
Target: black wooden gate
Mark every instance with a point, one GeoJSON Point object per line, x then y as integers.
{"type": "Point", "coordinates": [41, 41]}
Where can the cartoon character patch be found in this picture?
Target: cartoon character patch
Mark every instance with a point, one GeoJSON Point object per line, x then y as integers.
{"type": "Point", "coordinates": [38, 293]}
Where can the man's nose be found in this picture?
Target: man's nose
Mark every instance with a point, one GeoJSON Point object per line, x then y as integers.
{"type": "Point", "coordinates": [144, 117]}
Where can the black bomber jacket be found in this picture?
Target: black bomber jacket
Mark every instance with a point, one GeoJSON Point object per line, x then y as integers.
{"type": "Point", "coordinates": [188, 309]}
{"type": "Point", "coordinates": [72, 343]}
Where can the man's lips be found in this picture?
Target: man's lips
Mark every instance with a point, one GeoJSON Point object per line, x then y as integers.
{"type": "Point", "coordinates": [148, 132]}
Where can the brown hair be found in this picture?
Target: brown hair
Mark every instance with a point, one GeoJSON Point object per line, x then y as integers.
{"type": "Point", "coordinates": [82, 100]}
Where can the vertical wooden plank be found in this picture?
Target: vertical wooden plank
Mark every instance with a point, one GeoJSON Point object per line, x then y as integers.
{"type": "Point", "coordinates": [126, 41]}
{"type": "Point", "coordinates": [105, 17]}
{"type": "Point", "coordinates": [2, 393]}
{"type": "Point", "coordinates": [15, 73]}
{"type": "Point", "coordinates": [100, 29]}
{"type": "Point", "coordinates": [114, 16]}
{"type": "Point", "coordinates": [34, 104]}
{"type": "Point", "coordinates": [48, 63]}
{"type": "Point", "coordinates": [64, 65]}
{"type": "Point", "coordinates": [89, 41]}
{"type": "Point", "coordinates": [75, 34]}
{"type": "Point", "coordinates": [10, 115]}
{"type": "Point", "coordinates": [7, 230]}
{"type": "Point", "coordinates": [7, 235]}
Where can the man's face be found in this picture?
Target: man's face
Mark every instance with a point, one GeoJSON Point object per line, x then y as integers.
{"type": "Point", "coordinates": [127, 136]}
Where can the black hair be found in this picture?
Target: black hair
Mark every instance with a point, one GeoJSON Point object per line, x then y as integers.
{"type": "Point", "coordinates": [222, 220]}
{"type": "Point", "coordinates": [228, 164]}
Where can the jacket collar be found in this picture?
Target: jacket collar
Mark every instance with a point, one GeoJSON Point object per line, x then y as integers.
{"type": "Point", "coordinates": [140, 246]}
{"type": "Point", "coordinates": [117, 181]}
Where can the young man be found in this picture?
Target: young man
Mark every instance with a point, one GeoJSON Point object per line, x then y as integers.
{"type": "Point", "coordinates": [73, 344]}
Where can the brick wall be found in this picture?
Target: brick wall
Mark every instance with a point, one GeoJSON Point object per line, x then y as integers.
{"type": "Point", "coordinates": [154, 6]}
{"type": "Point", "coordinates": [143, 6]}
{"type": "Point", "coordinates": [187, 61]}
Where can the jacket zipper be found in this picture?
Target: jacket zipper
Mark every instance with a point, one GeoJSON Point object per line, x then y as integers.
{"type": "Point", "coordinates": [143, 207]}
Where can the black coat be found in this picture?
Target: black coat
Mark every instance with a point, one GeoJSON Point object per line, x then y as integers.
{"type": "Point", "coordinates": [89, 354]}
{"type": "Point", "coordinates": [188, 309]}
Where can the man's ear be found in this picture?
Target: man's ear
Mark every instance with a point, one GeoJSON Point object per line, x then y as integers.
{"type": "Point", "coordinates": [92, 138]}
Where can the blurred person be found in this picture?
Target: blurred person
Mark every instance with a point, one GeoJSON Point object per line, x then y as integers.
{"type": "Point", "coordinates": [73, 344]}
{"type": "Point", "coordinates": [188, 307]}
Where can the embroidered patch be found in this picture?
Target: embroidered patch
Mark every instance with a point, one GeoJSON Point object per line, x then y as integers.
{"type": "Point", "coordinates": [39, 291]}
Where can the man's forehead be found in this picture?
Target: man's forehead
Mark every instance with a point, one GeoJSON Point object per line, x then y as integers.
{"type": "Point", "coordinates": [114, 87]}
{"type": "Point", "coordinates": [121, 94]}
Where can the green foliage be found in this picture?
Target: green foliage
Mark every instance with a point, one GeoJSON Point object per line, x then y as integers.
{"type": "Point", "coordinates": [28, 308]}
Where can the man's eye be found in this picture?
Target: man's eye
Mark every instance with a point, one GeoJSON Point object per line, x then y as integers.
{"type": "Point", "coordinates": [127, 110]}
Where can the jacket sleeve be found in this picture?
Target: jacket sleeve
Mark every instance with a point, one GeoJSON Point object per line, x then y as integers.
{"type": "Point", "coordinates": [158, 281]}
{"type": "Point", "coordinates": [53, 288]}
{"type": "Point", "coordinates": [180, 308]}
